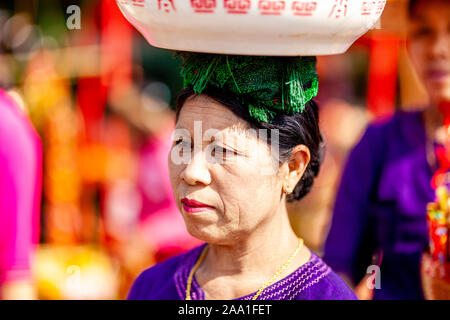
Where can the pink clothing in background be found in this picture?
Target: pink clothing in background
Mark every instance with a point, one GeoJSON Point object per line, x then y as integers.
{"type": "Point", "coordinates": [20, 191]}
{"type": "Point", "coordinates": [161, 220]}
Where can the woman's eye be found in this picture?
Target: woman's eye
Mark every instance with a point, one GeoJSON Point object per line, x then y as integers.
{"type": "Point", "coordinates": [180, 141]}
{"type": "Point", "coordinates": [219, 152]}
{"type": "Point", "coordinates": [422, 32]}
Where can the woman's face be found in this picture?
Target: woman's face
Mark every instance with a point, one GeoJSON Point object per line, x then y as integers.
{"type": "Point", "coordinates": [230, 171]}
{"type": "Point", "coordinates": [429, 45]}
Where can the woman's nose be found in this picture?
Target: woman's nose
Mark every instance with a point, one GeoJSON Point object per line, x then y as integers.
{"type": "Point", "coordinates": [440, 46]}
{"type": "Point", "coordinates": [197, 171]}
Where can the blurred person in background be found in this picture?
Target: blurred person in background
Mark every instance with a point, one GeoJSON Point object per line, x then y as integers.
{"type": "Point", "coordinates": [20, 195]}
{"type": "Point", "coordinates": [380, 211]}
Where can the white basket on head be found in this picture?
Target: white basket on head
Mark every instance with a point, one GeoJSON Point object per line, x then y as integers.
{"type": "Point", "coordinates": [253, 27]}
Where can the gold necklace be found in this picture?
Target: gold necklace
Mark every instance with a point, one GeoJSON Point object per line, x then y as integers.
{"type": "Point", "coordinates": [267, 284]}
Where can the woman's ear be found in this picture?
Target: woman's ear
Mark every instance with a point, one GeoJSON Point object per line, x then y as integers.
{"type": "Point", "coordinates": [297, 164]}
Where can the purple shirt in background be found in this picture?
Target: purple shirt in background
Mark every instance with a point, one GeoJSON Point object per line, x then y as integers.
{"type": "Point", "coordinates": [311, 281]}
{"type": "Point", "coordinates": [20, 191]}
{"type": "Point", "coordinates": [380, 207]}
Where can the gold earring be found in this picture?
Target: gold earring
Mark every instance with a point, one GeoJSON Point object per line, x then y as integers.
{"type": "Point", "coordinates": [286, 189]}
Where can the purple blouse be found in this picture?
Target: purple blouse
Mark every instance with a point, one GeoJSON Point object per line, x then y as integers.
{"type": "Point", "coordinates": [380, 209]}
{"type": "Point", "coordinates": [167, 281]}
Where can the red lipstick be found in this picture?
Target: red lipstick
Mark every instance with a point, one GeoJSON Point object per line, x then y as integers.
{"type": "Point", "coordinates": [194, 206]}
{"type": "Point", "coordinates": [437, 75]}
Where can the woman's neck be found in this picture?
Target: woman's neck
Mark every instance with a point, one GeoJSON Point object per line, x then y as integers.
{"type": "Point", "coordinates": [231, 271]}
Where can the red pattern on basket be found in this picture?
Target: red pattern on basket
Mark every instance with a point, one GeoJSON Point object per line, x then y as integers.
{"type": "Point", "coordinates": [237, 6]}
{"type": "Point", "coordinates": [370, 7]}
{"type": "Point", "coordinates": [339, 9]}
{"type": "Point", "coordinates": [204, 6]}
{"type": "Point", "coordinates": [267, 7]}
{"type": "Point", "coordinates": [271, 7]}
{"type": "Point", "coordinates": [380, 6]}
{"type": "Point", "coordinates": [367, 7]}
{"type": "Point", "coordinates": [136, 3]}
{"type": "Point", "coordinates": [166, 5]}
{"type": "Point", "coordinates": [304, 8]}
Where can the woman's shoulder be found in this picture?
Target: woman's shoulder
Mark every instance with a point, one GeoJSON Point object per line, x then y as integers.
{"type": "Point", "coordinates": [158, 276]}
{"type": "Point", "coordinates": [334, 288]}
{"type": "Point", "coordinates": [323, 283]}
{"type": "Point", "coordinates": [313, 280]}
{"type": "Point", "coordinates": [390, 136]}
{"type": "Point", "coordinates": [394, 125]}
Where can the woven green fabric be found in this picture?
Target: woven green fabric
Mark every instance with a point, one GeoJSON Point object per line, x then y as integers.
{"type": "Point", "coordinates": [267, 85]}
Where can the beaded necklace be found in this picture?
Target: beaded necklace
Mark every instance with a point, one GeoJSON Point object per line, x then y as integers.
{"type": "Point", "coordinates": [267, 284]}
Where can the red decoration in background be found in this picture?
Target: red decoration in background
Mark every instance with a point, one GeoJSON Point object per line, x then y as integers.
{"type": "Point", "coordinates": [116, 68]}
{"type": "Point", "coordinates": [443, 152]}
{"type": "Point", "coordinates": [117, 44]}
{"type": "Point", "coordinates": [383, 67]}
{"type": "Point", "coordinates": [444, 108]}
{"type": "Point", "coordinates": [443, 158]}
{"type": "Point", "coordinates": [91, 97]}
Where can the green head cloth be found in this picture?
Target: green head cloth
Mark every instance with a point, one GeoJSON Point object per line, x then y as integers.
{"type": "Point", "coordinates": [267, 85]}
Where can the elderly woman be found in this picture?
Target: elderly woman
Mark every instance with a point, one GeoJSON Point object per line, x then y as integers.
{"type": "Point", "coordinates": [380, 207]}
{"type": "Point", "coordinates": [231, 184]}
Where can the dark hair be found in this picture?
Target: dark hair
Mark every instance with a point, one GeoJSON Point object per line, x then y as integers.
{"type": "Point", "coordinates": [411, 6]}
{"type": "Point", "coordinates": [300, 128]}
